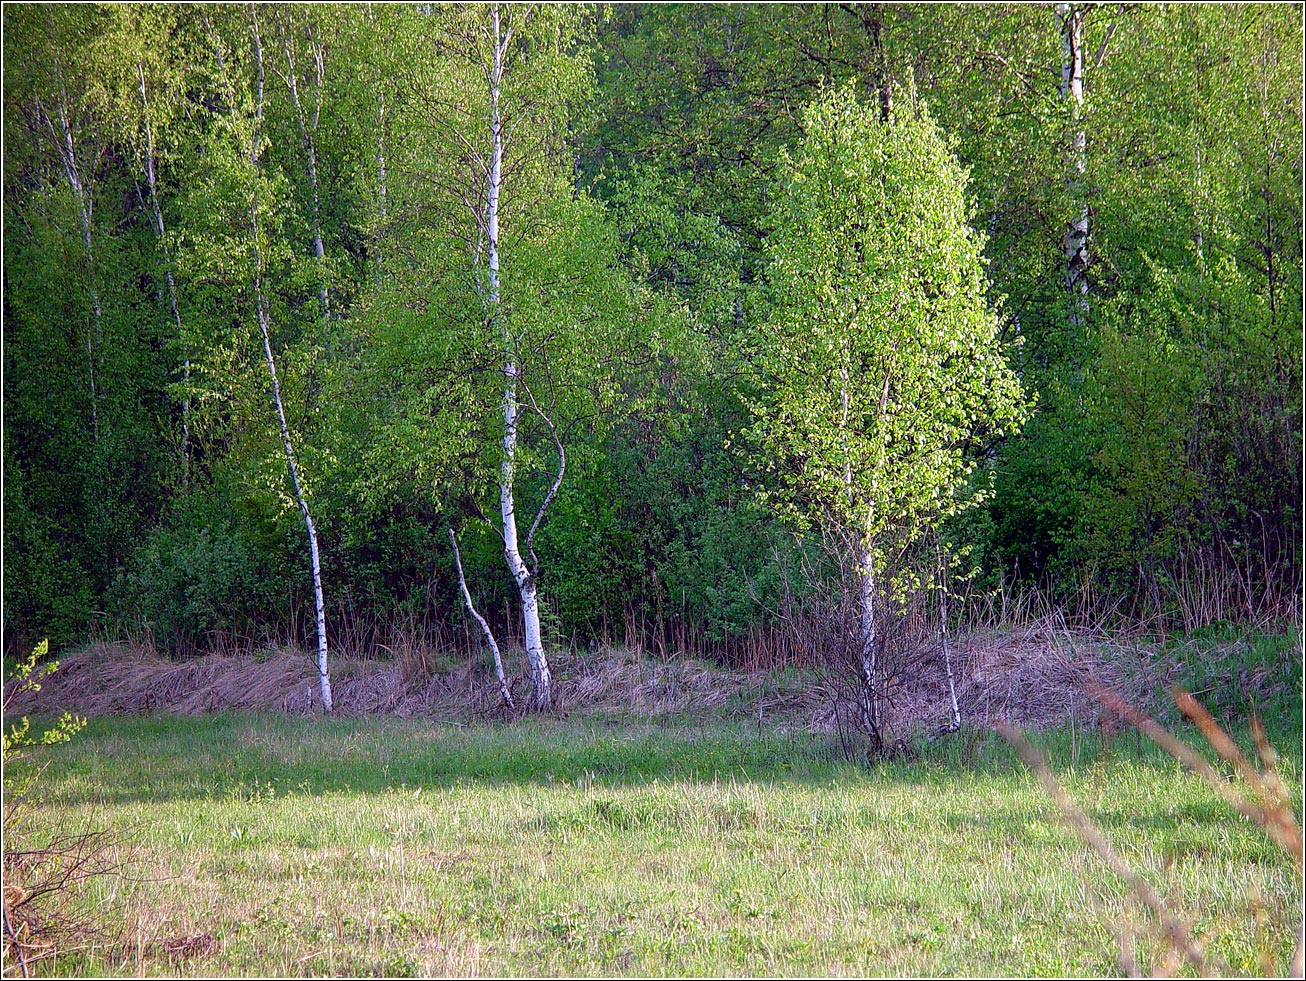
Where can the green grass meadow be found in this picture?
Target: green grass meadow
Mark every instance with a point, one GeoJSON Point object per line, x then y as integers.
{"type": "Point", "coordinates": [595, 845]}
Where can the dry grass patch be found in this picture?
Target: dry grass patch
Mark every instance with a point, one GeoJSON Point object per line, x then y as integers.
{"type": "Point", "coordinates": [1034, 677]}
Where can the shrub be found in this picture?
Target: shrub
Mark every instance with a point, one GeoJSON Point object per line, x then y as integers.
{"type": "Point", "coordinates": [36, 876]}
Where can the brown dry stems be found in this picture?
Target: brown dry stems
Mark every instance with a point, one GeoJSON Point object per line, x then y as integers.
{"type": "Point", "coordinates": [1270, 807]}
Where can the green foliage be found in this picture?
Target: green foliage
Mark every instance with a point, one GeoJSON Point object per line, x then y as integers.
{"type": "Point", "coordinates": [86, 360]}
{"type": "Point", "coordinates": [658, 290]}
{"type": "Point", "coordinates": [882, 365]}
{"type": "Point", "coordinates": [19, 775]}
{"type": "Point", "coordinates": [212, 572]}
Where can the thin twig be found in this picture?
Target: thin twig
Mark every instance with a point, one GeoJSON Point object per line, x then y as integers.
{"type": "Point", "coordinates": [15, 944]}
{"type": "Point", "coordinates": [1275, 818]}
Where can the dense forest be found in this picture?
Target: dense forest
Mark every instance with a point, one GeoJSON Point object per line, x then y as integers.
{"type": "Point", "coordinates": [704, 328]}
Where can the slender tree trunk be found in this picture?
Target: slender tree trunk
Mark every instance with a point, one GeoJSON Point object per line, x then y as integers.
{"type": "Point", "coordinates": [1200, 212]}
{"type": "Point", "coordinates": [955, 724]}
{"type": "Point", "coordinates": [485, 627]}
{"type": "Point", "coordinates": [382, 211]}
{"type": "Point", "coordinates": [307, 135]}
{"type": "Point", "coordinates": [264, 324]}
{"type": "Point", "coordinates": [1070, 18]}
{"type": "Point", "coordinates": [541, 693]}
{"type": "Point", "coordinates": [868, 647]}
{"type": "Point", "coordinates": [167, 272]}
{"type": "Point", "coordinates": [85, 205]}
{"type": "Point", "coordinates": [1268, 251]}
{"type": "Point", "coordinates": [875, 64]}
{"type": "Point", "coordinates": [382, 208]}
{"type": "Point", "coordinates": [864, 562]}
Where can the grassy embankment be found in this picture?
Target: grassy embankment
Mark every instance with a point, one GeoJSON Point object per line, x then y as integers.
{"type": "Point", "coordinates": [689, 844]}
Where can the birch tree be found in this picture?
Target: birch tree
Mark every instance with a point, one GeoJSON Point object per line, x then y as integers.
{"type": "Point", "coordinates": [243, 202]}
{"type": "Point", "coordinates": [881, 365]}
{"type": "Point", "coordinates": [488, 219]}
{"type": "Point", "coordinates": [144, 55]}
{"type": "Point", "coordinates": [301, 42]}
{"type": "Point", "coordinates": [1076, 61]}
{"type": "Point", "coordinates": [55, 70]}
{"type": "Point", "coordinates": [505, 81]}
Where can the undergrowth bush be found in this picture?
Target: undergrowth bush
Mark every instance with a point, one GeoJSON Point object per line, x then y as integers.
{"type": "Point", "coordinates": [20, 776]}
{"type": "Point", "coordinates": [40, 864]}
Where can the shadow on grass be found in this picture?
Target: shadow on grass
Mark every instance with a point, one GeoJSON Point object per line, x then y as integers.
{"type": "Point", "coordinates": [137, 759]}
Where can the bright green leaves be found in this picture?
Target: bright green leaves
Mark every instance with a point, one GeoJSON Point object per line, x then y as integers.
{"type": "Point", "coordinates": [882, 365]}
{"type": "Point", "coordinates": [19, 775]}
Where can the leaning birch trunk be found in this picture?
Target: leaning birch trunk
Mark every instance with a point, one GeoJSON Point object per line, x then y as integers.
{"type": "Point", "coordinates": [541, 682]}
{"type": "Point", "coordinates": [152, 180]}
{"type": "Point", "coordinates": [485, 627]}
{"type": "Point", "coordinates": [66, 147]}
{"type": "Point", "coordinates": [1070, 18]}
{"type": "Point", "coordinates": [264, 324]}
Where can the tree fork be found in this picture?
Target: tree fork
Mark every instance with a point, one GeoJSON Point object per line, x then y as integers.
{"type": "Point", "coordinates": [541, 680]}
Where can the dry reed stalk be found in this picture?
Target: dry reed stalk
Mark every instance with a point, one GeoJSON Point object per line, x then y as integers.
{"type": "Point", "coordinates": [1272, 813]}
{"type": "Point", "coordinates": [1173, 929]}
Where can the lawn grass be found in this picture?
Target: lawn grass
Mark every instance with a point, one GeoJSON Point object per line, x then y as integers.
{"type": "Point", "coordinates": [595, 845]}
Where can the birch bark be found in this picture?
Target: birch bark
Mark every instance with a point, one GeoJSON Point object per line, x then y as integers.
{"type": "Point", "coordinates": [864, 562]}
{"type": "Point", "coordinates": [485, 627]}
{"type": "Point", "coordinates": [541, 680]}
{"type": "Point", "coordinates": [869, 640]}
{"type": "Point", "coordinates": [308, 137]}
{"type": "Point", "coordinates": [381, 208]}
{"type": "Point", "coordinates": [264, 324]}
{"type": "Point", "coordinates": [955, 723]}
{"type": "Point", "coordinates": [82, 196]}
{"type": "Point", "coordinates": [1070, 19]}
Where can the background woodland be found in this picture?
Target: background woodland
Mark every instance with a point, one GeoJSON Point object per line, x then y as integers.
{"type": "Point", "coordinates": [202, 201]}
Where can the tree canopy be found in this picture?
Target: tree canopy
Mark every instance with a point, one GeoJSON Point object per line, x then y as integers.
{"type": "Point", "coordinates": [1027, 278]}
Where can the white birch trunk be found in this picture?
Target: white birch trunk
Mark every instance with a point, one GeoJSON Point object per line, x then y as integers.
{"type": "Point", "coordinates": [264, 324]}
{"type": "Point", "coordinates": [955, 724]}
{"type": "Point", "coordinates": [382, 209]}
{"type": "Point", "coordinates": [864, 562]}
{"type": "Point", "coordinates": [869, 641]}
{"type": "Point", "coordinates": [381, 206]}
{"type": "Point", "coordinates": [485, 627]}
{"type": "Point", "coordinates": [1070, 19]}
{"type": "Point", "coordinates": [541, 681]}
{"type": "Point", "coordinates": [85, 204]}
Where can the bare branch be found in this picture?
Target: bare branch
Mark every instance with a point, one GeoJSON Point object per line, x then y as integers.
{"type": "Point", "coordinates": [1101, 51]}
{"type": "Point", "coordinates": [485, 627]}
{"type": "Point", "coordinates": [557, 480]}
